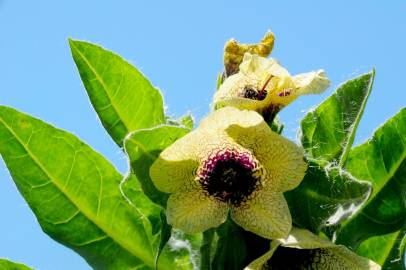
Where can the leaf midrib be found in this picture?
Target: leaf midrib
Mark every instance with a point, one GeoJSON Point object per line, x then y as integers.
{"type": "Point", "coordinates": [350, 138]}
{"type": "Point", "coordinates": [386, 180]}
{"type": "Point", "coordinates": [105, 88]}
{"type": "Point", "coordinates": [83, 211]}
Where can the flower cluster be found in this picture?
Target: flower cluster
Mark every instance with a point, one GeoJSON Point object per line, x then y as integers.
{"type": "Point", "coordinates": [264, 86]}
{"type": "Point", "coordinates": [233, 165]}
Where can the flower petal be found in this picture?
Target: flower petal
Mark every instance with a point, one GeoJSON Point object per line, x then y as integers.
{"type": "Point", "coordinates": [228, 93]}
{"type": "Point", "coordinates": [334, 256]}
{"type": "Point", "coordinates": [219, 121]}
{"type": "Point", "coordinates": [176, 166]}
{"type": "Point", "coordinates": [281, 158]}
{"type": "Point", "coordinates": [253, 64]}
{"type": "Point", "coordinates": [304, 239]}
{"type": "Point", "coordinates": [342, 258]}
{"type": "Point", "coordinates": [304, 249]}
{"type": "Point", "coordinates": [266, 214]}
{"type": "Point", "coordinates": [314, 82]}
{"type": "Point", "coordinates": [193, 211]}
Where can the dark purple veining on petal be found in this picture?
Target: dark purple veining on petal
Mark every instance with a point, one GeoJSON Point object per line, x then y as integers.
{"type": "Point", "coordinates": [229, 176]}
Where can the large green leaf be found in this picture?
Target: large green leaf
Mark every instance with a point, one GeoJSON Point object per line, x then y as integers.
{"type": "Point", "coordinates": [166, 232]}
{"type": "Point", "coordinates": [143, 148]}
{"type": "Point", "coordinates": [184, 245]}
{"type": "Point", "coordinates": [388, 250]}
{"type": "Point", "coordinates": [232, 251]}
{"type": "Point", "coordinates": [328, 131]}
{"type": "Point", "coordinates": [206, 249]}
{"type": "Point", "coordinates": [122, 97]}
{"type": "Point", "coordinates": [382, 161]}
{"type": "Point", "coordinates": [9, 265]}
{"type": "Point", "coordinates": [235, 247]}
{"type": "Point", "coordinates": [325, 197]}
{"type": "Point", "coordinates": [74, 193]}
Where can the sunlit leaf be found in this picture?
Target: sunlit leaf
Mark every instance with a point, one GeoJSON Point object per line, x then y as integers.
{"type": "Point", "coordinates": [382, 161]}
{"type": "Point", "coordinates": [181, 247]}
{"type": "Point", "coordinates": [388, 250]}
{"type": "Point", "coordinates": [122, 96]}
{"type": "Point", "coordinates": [328, 131]}
{"type": "Point", "coordinates": [143, 148]}
{"type": "Point", "coordinates": [74, 193]}
{"type": "Point", "coordinates": [9, 265]}
{"type": "Point", "coordinates": [325, 197]}
{"type": "Point", "coordinates": [187, 121]}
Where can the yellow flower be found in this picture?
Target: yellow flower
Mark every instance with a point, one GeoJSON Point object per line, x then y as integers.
{"type": "Point", "coordinates": [232, 164]}
{"type": "Point", "coordinates": [304, 250]}
{"type": "Point", "coordinates": [234, 52]}
{"type": "Point", "coordinates": [266, 87]}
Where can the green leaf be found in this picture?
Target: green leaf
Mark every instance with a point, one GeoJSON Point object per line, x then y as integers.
{"type": "Point", "coordinates": [166, 232]}
{"type": "Point", "coordinates": [325, 197]}
{"type": "Point", "coordinates": [186, 247]}
{"type": "Point", "coordinates": [277, 125]}
{"type": "Point", "coordinates": [206, 249]}
{"type": "Point", "coordinates": [187, 121]}
{"type": "Point", "coordinates": [382, 161]}
{"type": "Point", "coordinates": [131, 190]}
{"type": "Point", "coordinates": [387, 250]}
{"type": "Point", "coordinates": [231, 252]}
{"type": "Point", "coordinates": [74, 193]}
{"type": "Point", "coordinates": [236, 248]}
{"type": "Point", "coordinates": [183, 254]}
{"type": "Point", "coordinates": [123, 97]}
{"type": "Point", "coordinates": [9, 265]}
{"type": "Point", "coordinates": [143, 148]}
{"type": "Point", "coordinates": [219, 81]}
{"type": "Point", "coordinates": [328, 131]}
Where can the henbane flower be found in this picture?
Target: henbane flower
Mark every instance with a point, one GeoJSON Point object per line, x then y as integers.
{"type": "Point", "coordinates": [233, 163]}
{"type": "Point", "coordinates": [266, 87]}
{"type": "Point", "coordinates": [304, 250]}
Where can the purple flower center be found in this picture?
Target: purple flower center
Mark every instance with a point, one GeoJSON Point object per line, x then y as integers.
{"type": "Point", "coordinates": [229, 176]}
{"type": "Point", "coordinates": [251, 93]}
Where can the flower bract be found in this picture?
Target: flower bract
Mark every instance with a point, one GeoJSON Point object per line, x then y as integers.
{"type": "Point", "coordinates": [266, 87]}
{"type": "Point", "coordinates": [232, 164]}
{"type": "Point", "coordinates": [234, 52]}
{"type": "Point", "coordinates": [304, 250]}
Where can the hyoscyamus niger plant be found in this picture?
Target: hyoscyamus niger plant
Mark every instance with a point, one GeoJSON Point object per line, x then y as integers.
{"type": "Point", "coordinates": [231, 208]}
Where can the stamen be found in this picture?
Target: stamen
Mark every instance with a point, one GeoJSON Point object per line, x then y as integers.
{"type": "Point", "coordinates": [263, 89]}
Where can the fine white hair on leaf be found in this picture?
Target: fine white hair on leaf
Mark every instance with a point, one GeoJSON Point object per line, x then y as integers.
{"type": "Point", "coordinates": [178, 242]}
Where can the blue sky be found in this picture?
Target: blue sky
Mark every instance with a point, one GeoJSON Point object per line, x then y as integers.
{"type": "Point", "coordinates": [178, 45]}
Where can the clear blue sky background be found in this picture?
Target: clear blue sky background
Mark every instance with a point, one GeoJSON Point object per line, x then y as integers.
{"type": "Point", "coordinates": [178, 45]}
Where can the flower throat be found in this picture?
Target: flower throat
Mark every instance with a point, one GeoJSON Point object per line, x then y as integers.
{"type": "Point", "coordinates": [229, 176]}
